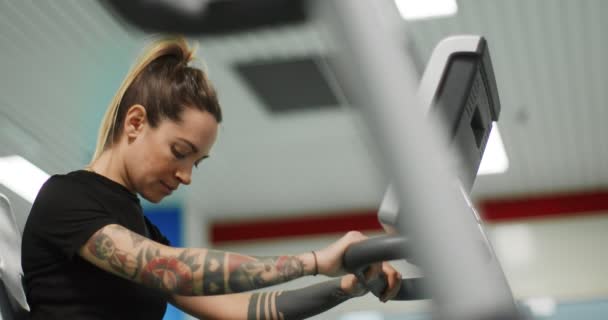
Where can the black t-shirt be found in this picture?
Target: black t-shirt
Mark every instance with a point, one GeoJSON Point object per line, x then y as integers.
{"type": "Point", "coordinates": [59, 284]}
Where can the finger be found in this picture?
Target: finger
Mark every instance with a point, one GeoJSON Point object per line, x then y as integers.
{"type": "Point", "coordinates": [375, 280]}
{"type": "Point", "coordinates": [393, 293]}
{"type": "Point", "coordinates": [394, 287]}
{"type": "Point", "coordinates": [393, 279]}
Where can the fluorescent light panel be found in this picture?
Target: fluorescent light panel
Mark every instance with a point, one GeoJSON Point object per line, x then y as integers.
{"type": "Point", "coordinates": [22, 177]}
{"type": "Point", "coordinates": [425, 9]}
{"type": "Point", "coordinates": [494, 158]}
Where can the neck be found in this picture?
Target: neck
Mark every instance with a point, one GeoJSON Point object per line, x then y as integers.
{"type": "Point", "coordinates": [110, 165]}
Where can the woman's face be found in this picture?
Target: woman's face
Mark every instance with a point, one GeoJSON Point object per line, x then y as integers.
{"type": "Point", "coordinates": [159, 159]}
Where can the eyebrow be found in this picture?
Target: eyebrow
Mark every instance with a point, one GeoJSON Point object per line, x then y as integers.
{"type": "Point", "coordinates": [194, 148]}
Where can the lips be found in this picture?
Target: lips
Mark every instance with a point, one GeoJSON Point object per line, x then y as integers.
{"type": "Point", "coordinates": [168, 188]}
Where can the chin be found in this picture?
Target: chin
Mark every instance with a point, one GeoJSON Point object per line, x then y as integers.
{"type": "Point", "coordinates": [155, 198]}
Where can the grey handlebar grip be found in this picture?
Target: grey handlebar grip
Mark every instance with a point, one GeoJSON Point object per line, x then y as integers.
{"type": "Point", "coordinates": [373, 250]}
{"type": "Point", "coordinates": [360, 255]}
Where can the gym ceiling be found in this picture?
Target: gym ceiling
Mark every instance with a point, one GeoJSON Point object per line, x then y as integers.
{"type": "Point", "coordinates": [63, 60]}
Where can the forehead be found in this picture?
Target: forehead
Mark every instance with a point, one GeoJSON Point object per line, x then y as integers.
{"type": "Point", "coordinates": [198, 127]}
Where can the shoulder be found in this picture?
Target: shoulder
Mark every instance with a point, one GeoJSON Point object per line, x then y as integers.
{"type": "Point", "coordinates": [63, 193]}
{"type": "Point", "coordinates": [58, 182]}
{"type": "Point", "coordinates": [67, 210]}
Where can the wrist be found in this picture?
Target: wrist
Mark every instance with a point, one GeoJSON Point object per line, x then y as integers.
{"type": "Point", "coordinates": [310, 263]}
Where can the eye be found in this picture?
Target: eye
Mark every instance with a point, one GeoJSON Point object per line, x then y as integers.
{"type": "Point", "coordinates": [178, 155]}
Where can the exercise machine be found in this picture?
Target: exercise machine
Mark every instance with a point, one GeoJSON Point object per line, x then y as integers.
{"type": "Point", "coordinates": [443, 236]}
{"type": "Point", "coordinates": [459, 86]}
{"type": "Point", "coordinates": [13, 305]}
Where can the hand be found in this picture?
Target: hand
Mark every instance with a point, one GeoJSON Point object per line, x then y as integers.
{"type": "Point", "coordinates": [329, 259]}
{"type": "Point", "coordinates": [392, 277]}
{"type": "Point", "coordinates": [355, 287]}
{"type": "Point", "coordinates": [351, 286]}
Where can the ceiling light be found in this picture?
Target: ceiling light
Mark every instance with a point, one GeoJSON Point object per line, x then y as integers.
{"type": "Point", "coordinates": [21, 177]}
{"type": "Point", "coordinates": [494, 158]}
{"type": "Point", "coordinates": [542, 306]}
{"type": "Point", "coordinates": [424, 9]}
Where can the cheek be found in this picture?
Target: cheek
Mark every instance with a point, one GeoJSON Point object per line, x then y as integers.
{"type": "Point", "coordinates": [147, 165]}
{"type": "Point", "coordinates": [156, 164]}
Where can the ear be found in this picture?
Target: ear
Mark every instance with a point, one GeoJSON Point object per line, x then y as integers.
{"type": "Point", "coordinates": [135, 121]}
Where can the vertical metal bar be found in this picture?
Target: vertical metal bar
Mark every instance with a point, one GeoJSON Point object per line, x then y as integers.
{"type": "Point", "coordinates": [379, 78]}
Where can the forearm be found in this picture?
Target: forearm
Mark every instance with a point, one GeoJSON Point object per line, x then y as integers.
{"type": "Point", "coordinates": [225, 272]}
{"type": "Point", "coordinates": [189, 272]}
{"type": "Point", "coordinates": [296, 304]}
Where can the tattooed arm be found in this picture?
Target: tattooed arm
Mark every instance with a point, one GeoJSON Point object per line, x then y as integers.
{"type": "Point", "coordinates": [188, 272]}
{"type": "Point", "coordinates": [288, 305]}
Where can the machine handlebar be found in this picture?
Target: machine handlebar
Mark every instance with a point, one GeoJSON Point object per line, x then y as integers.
{"type": "Point", "coordinates": [359, 256]}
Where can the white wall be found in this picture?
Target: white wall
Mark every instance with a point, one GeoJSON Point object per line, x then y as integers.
{"type": "Point", "coordinates": [563, 258]}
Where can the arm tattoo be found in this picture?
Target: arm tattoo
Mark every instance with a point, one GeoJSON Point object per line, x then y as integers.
{"type": "Point", "coordinates": [214, 273]}
{"type": "Point", "coordinates": [228, 272]}
{"type": "Point", "coordinates": [136, 238]}
{"type": "Point", "coordinates": [103, 248]}
{"type": "Point", "coordinates": [296, 304]}
{"type": "Point", "coordinates": [192, 271]}
{"type": "Point", "coordinates": [245, 274]}
{"type": "Point", "coordinates": [174, 274]}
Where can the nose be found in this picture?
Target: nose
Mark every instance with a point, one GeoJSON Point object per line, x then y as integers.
{"type": "Point", "coordinates": [184, 175]}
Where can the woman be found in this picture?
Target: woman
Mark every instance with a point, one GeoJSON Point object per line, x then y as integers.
{"type": "Point", "coordinates": [88, 252]}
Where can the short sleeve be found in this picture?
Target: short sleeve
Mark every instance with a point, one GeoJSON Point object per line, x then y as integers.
{"type": "Point", "coordinates": [155, 233]}
{"type": "Point", "coordinates": [65, 215]}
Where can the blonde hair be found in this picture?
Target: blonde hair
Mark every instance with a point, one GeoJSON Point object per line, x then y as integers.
{"type": "Point", "coordinates": [164, 84]}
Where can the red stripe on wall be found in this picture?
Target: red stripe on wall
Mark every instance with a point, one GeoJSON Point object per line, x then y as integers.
{"type": "Point", "coordinates": [491, 210]}
{"type": "Point", "coordinates": [336, 222]}
{"type": "Point", "coordinates": [555, 205]}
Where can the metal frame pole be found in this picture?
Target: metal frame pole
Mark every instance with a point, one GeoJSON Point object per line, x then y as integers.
{"type": "Point", "coordinates": [379, 78]}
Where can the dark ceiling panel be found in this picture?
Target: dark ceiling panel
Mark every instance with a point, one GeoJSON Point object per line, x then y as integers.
{"type": "Point", "coordinates": [289, 85]}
